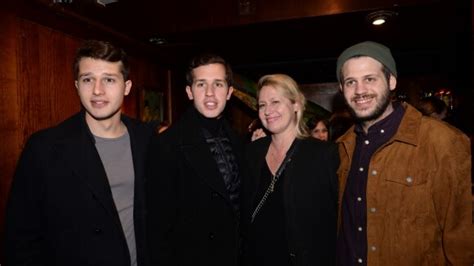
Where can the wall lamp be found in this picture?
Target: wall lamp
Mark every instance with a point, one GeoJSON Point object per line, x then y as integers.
{"type": "Point", "coordinates": [380, 17]}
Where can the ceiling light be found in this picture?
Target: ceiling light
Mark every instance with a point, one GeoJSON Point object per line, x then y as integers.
{"type": "Point", "coordinates": [378, 21]}
{"type": "Point", "coordinates": [380, 17]}
{"type": "Point", "coordinates": [158, 40]}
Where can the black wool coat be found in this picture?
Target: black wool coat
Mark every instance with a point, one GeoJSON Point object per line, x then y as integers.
{"type": "Point", "coordinates": [190, 217]}
{"type": "Point", "coordinates": [309, 198]}
{"type": "Point", "coordinates": [60, 209]}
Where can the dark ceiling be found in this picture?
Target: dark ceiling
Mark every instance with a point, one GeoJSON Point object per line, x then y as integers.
{"type": "Point", "coordinates": [426, 37]}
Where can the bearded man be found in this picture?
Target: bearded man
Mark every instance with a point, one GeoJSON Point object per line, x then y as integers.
{"type": "Point", "coordinates": [405, 178]}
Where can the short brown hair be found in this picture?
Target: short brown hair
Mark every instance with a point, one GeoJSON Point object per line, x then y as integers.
{"type": "Point", "coordinates": [207, 59]}
{"type": "Point", "coordinates": [104, 51]}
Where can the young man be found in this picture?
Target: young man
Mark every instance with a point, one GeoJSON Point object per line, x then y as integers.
{"type": "Point", "coordinates": [405, 189]}
{"type": "Point", "coordinates": [194, 184]}
{"type": "Point", "coordinates": [77, 196]}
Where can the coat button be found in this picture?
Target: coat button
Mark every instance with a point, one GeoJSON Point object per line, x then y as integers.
{"type": "Point", "coordinates": [211, 236]}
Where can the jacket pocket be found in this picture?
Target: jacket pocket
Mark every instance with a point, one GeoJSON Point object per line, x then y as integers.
{"type": "Point", "coordinates": [408, 194]}
{"type": "Point", "coordinates": [410, 180]}
{"type": "Point", "coordinates": [408, 213]}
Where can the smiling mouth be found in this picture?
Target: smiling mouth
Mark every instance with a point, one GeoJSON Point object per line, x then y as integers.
{"type": "Point", "coordinates": [271, 119]}
{"type": "Point", "coordinates": [363, 98]}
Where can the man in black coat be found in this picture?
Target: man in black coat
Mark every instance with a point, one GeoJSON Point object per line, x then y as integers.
{"type": "Point", "coordinates": [77, 197]}
{"type": "Point", "coordinates": [193, 188]}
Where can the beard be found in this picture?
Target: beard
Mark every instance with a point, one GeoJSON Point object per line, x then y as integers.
{"type": "Point", "coordinates": [380, 107]}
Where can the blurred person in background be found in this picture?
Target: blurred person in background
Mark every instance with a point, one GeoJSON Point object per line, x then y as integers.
{"type": "Point", "coordinates": [319, 128]}
{"type": "Point", "coordinates": [434, 107]}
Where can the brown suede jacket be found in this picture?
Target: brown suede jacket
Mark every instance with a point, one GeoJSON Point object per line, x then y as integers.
{"type": "Point", "coordinates": [419, 202]}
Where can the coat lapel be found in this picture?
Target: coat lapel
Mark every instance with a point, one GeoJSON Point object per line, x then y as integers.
{"type": "Point", "coordinates": [199, 156]}
{"type": "Point", "coordinates": [138, 146]}
{"type": "Point", "coordinates": [78, 150]}
{"type": "Point", "coordinates": [139, 139]}
{"type": "Point", "coordinates": [258, 157]}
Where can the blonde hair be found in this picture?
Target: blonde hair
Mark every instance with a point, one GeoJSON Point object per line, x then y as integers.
{"type": "Point", "coordinates": [290, 90]}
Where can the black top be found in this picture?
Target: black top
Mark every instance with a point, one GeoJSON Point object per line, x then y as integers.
{"type": "Point", "coordinates": [212, 125]}
{"type": "Point", "coordinates": [308, 191]}
{"type": "Point", "coordinates": [352, 240]}
{"type": "Point", "coordinates": [221, 149]}
{"type": "Point", "coordinates": [268, 235]}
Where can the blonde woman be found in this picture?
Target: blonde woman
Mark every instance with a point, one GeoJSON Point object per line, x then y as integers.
{"type": "Point", "coordinates": [290, 184]}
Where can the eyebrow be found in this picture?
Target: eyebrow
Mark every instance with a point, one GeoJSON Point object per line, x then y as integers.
{"type": "Point", "coordinates": [221, 80]}
{"type": "Point", "coordinates": [364, 76]}
{"type": "Point", "coordinates": [271, 99]}
{"type": "Point", "coordinates": [104, 74]}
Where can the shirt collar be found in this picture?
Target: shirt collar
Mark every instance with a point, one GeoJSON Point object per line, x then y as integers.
{"type": "Point", "coordinates": [388, 125]}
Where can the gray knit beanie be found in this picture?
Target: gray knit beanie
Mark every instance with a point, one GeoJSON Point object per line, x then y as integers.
{"type": "Point", "coordinates": [375, 50]}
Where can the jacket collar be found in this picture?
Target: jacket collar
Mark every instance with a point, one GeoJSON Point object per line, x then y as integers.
{"type": "Point", "coordinates": [197, 152]}
{"type": "Point", "coordinates": [410, 126]}
{"type": "Point", "coordinates": [407, 132]}
{"type": "Point", "coordinates": [77, 146]}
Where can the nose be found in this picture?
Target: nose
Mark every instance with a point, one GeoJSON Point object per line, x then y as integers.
{"type": "Point", "coordinates": [360, 88]}
{"type": "Point", "coordinates": [98, 90]}
{"type": "Point", "coordinates": [268, 110]}
{"type": "Point", "coordinates": [209, 90]}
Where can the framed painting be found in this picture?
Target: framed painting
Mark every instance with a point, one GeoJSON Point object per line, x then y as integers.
{"type": "Point", "coordinates": [151, 106]}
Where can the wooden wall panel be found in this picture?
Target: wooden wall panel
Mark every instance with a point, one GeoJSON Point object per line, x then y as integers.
{"type": "Point", "coordinates": [46, 91]}
{"type": "Point", "coordinates": [45, 64]}
{"type": "Point", "coordinates": [9, 111]}
{"type": "Point", "coordinates": [144, 74]}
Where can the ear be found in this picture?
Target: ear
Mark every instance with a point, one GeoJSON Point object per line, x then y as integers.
{"type": "Point", "coordinates": [76, 84]}
{"type": "Point", "coordinates": [229, 93]}
{"type": "Point", "coordinates": [340, 87]}
{"type": "Point", "coordinates": [392, 83]}
{"type": "Point", "coordinates": [297, 107]}
{"type": "Point", "coordinates": [189, 93]}
{"type": "Point", "coordinates": [128, 87]}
